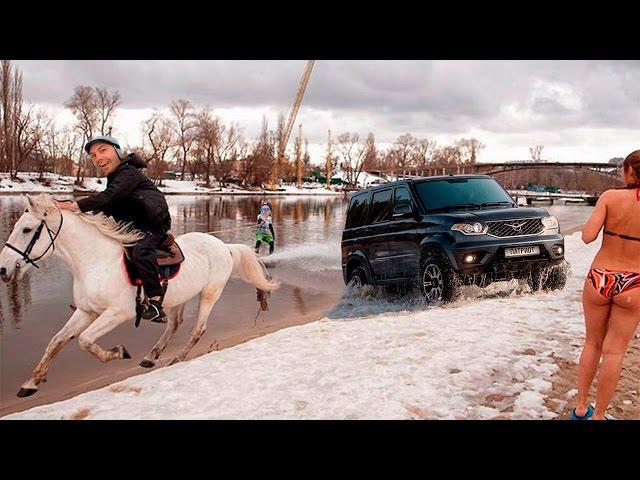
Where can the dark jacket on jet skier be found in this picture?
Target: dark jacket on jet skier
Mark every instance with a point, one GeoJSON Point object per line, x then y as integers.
{"type": "Point", "coordinates": [131, 197]}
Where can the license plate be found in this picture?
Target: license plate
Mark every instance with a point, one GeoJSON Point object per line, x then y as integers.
{"type": "Point", "coordinates": [522, 251]}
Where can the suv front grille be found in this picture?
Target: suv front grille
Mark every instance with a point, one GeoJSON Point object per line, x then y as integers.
{"type": "Point", "coordinates": [515, 228]}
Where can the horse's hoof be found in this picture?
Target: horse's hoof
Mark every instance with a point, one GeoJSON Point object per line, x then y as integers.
{"type": "Point", "coordinates": [26, 392]}
{"type": "Point", "coordinates": [120, 349]}
{"type": "Point", "coordinates": [173, 362]}
{"type": "Point", "coordinates": [146, 363]}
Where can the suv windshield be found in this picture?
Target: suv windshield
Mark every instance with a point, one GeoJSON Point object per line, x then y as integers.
{"type": "Point", "coordinates": [457, 193]}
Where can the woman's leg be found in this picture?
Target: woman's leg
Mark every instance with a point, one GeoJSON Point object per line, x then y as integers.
{"type": "Point", "coordinates": [596, 317]}
{"type": "Point", "coordinates": [623, 321]}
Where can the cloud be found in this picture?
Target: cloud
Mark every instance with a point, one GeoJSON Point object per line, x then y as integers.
{"type": "Point", "coordinates": [387, 97]}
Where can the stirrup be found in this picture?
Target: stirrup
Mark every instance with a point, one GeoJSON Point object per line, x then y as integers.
{"type": "Point", "coordinates": [156, 315]}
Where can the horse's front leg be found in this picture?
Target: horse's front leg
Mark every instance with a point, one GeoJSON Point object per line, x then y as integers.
{"type": "Point", "coordinates": [175, 320]}
{"type": "Point", "coordinates": [78, 322]}
{"type": "Point", "coordinates": [102, 325]}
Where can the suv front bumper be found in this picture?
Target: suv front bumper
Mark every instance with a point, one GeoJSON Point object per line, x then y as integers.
{"type": "Point", "coordinates": [491, 259]}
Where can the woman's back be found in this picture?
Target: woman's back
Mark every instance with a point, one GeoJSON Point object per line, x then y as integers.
{"type": "Point", "coordinates": [622, 218]}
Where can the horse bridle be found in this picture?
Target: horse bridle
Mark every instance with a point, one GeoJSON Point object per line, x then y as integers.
{"type": "Point", "coordinates": [34, 239]}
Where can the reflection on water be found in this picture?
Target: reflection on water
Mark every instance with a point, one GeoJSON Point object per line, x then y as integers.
{"type": "Point", "coordinates": [233, 219]}
{"type": "Point", "coordinates": [297, 295]}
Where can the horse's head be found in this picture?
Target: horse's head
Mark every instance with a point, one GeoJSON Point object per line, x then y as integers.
{"type": "Point", "coordinates": [32, 237]}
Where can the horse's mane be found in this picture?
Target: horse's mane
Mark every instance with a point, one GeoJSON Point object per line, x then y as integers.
{"type": "Point", "coordinates": [119, 231]}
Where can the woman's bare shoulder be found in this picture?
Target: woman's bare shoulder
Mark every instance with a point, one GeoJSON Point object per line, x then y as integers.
{"type": "Point", "coordinates": [613, 194]}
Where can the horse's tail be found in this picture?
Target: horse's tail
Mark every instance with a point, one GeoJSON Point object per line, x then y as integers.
{"type": "Point", "coordinates": [250, 268]}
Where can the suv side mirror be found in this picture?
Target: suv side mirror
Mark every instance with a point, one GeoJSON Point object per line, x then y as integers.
{"type": "Point", "coordinates": [402, 211]}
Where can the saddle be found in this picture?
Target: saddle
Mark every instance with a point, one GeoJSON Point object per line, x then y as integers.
{"type": "Point", "coordinates": [168, 257]}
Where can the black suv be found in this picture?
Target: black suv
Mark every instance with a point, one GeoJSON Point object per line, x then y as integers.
{"type": "Point", "coordinates": [446, 231]}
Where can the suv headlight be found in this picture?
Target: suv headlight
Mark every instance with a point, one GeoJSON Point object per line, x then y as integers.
{"type": "Point", "coordinates": [470, 228]}
{"type": "Point", "coordinates": [550, 223]}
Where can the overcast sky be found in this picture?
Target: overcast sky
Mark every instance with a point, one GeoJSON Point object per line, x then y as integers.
{"type": "Point", "coordinates": [579, 110]}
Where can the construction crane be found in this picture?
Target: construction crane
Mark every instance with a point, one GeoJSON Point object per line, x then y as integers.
{"type": "Point", "coordinates": [282, 144]}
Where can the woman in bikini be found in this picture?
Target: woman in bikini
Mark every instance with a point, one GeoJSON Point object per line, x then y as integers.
{"type": "Point", "coordinates": [611, 297]}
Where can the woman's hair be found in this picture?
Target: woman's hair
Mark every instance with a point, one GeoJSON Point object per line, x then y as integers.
{"type": "Point", "coordinates": [633, 162]}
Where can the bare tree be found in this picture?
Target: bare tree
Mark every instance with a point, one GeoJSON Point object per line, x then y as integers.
{"type": "Point", "coordinates": [422, 153]}
{"type": "Point", "coordinates": [28, 136]}
{"type": "Point", "coordinates": [255, 168]}
{"type": "Point", "coordinates": [400, 152]}
{"type": "Point", "coordinates": [69, 143]}
{"type": "Point", "coordinates": [106, 103]}
{"type": "Point", "coordinates": [469, 149]}
{"type": "Point", "coordinates": [6, 117]}
{"type": "Point", "coordinates": [183, 126]}
{"type": "Point", "coordinates": [353, 153]}
{"type": "Point", "coordinates": [208, 132]}
{"type": "Point", "coordinates": [447, 156]}
{"type": "Point", "coordinates": [371, 156]}
{"type": "Point", "coordinates": [226, 152]}
{"type": "Point", "coordinates": [12, 117]}
{"type": "Point", "coordinates": [280, 162]}
{"type": "Point", "coordinates": [83, 104]}
{"type": "Point", "coordinates": [45, 152]}
{"type": "Point", "coordinates": [536, 152]}
{"type": "Point", "coordinates": [306, 159]}
{"type": "Point", "coordinates": [238, 154]}
{"type": "Point", "coordinates": [158, 139]}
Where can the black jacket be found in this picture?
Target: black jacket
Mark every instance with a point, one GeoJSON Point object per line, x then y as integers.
{"type": "Point", "coordinates": [131, 197]}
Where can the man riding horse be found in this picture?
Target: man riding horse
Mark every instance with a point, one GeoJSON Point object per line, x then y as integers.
{"type": "Point", "coordinates": [130, 197]}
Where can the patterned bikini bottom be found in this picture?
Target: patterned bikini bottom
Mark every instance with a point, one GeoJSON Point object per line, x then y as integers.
{"type": "Point", "coordinates": [610, 283]}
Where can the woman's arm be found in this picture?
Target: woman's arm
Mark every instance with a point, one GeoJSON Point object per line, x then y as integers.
{"type": "Point", "coordinates": [596, 220]}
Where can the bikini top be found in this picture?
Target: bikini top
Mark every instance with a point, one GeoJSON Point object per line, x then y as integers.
{"type": "Point", "coordinates": [625, 237]}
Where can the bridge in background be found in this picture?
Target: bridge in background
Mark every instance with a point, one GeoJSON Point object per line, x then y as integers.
{"type": "Point", "coordinates": [590, 198]}
{"type": "Point", "coordinates": [493, 168]}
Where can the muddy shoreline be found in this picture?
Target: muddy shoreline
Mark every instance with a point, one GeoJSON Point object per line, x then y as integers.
{"type": "Point", "coordinates": [68, 386]}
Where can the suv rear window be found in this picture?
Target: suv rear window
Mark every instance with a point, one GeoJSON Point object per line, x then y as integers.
{"type": "Point", "coordinates": [358, 210]}
{"type": "Point", "coordinates": [381, 206]}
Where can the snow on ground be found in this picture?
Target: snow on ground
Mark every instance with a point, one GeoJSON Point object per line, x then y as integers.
{"type": "Point", "coordinates": [29, 183]}
{"type": "Point", "coordinates": [373, 356]}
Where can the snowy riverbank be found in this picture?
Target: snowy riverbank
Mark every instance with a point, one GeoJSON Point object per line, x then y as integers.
{"type": "Point", "coordinates": [491, 354]}
{"type": "Point", "coordinates": [29, 183]}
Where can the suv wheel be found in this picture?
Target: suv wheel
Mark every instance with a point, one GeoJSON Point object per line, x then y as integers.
{"type": "Point", "coordinates": [438, 281]}
{"type": "Point", "coordinates": [554, 278]}
{"type": "Point", "coordinates": [557, 277]}
{"type": "Point", "coordinates": [358, 277]}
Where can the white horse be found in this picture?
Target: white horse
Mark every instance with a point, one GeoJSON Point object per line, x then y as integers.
{"type": "Point", "coordinates": [92, 248]}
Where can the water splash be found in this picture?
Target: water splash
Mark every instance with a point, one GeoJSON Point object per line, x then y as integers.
{"type": "Point", "coordinates": [326, 256]}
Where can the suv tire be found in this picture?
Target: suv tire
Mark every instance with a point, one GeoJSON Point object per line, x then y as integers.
{"type": "Point", "coordinates": [554, 278]}
{"type": "Point", "coordinates": [358, 277]}
{"type": "Point", "coordinates": [438, 281]}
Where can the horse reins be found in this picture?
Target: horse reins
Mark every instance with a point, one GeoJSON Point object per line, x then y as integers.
{"type": "Point", "coordinates": [34, 239]}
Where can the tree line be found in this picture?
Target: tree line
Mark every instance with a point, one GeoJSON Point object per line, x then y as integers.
{"type": "Point", "coordinates": [189, 142]}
